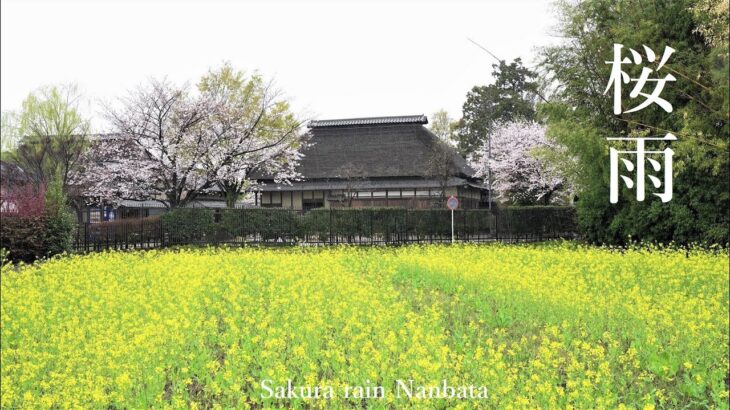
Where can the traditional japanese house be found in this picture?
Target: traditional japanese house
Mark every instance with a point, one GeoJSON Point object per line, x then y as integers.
{"type": "Point", "coordinates": [375, 162]}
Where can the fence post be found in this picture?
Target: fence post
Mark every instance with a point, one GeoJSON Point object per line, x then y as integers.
{"type": "Point", "coordinates": [463, 225]}
{"type": "Point", "coordinates": [330, 242]}
{"type": "Point", "coordinates": [162, 235]}
{"type": "Point", "coordinates": [552, 224]}
{"type": "Point", "coordinates": [406, 225]}
{"type": "Point", "coordinates": [372, 238]}
{"type": "Point", "coordinates": [141, 233]}
{"type": "Point", "coordinates": [496, 227]}
{"type": "Point", "coordinates": [508, 219]}
{"type": "Point", "coordinates": [402, 230]}
{"type": "Point", "coordinates": [242, 226]}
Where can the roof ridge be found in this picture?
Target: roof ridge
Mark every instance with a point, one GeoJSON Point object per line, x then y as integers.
{"type": "Point", "coordinates": [384, 120]}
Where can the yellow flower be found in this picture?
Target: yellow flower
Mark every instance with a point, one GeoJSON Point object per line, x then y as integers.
{"type": "Point", "coordinates": [541, 326]}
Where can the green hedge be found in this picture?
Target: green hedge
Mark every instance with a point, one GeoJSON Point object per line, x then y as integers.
{"type": "Point", "coordinates": [536, 220]}
{"type": "Point", "coordinates": [189, 225]}
{"type": "Point", "coordinates": [269, 224]}
{"type": "Point", "coordinates": [357, 225]}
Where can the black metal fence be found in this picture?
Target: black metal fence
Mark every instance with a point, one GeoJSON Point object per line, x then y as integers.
{"type": "Point", "coordinates": [327, 226]}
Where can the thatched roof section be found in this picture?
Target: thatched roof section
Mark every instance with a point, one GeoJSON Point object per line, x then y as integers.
{"type": "Point", "coordinates": [380, 147]}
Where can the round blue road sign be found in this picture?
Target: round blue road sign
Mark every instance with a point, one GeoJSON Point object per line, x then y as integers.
{"type": "Point", "coordinates": [452, 203]}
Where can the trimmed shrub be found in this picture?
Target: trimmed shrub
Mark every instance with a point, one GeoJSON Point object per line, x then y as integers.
{"type": "Point", "coordinates": [535, 221]}
{"type": "Point", "coordinates": [189, 225]}
{"type": "Point", "coordinates": [316, 225]}
{"type": "Point", "coordinates": [262, 224]}
{"type": "Point", "coordinates": [60, 222]}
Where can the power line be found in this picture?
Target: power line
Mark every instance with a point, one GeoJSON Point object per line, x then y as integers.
{"type": "Point", "coordinates": [537, 92]}
{"type": "Point", "coordinates": [485, 49]}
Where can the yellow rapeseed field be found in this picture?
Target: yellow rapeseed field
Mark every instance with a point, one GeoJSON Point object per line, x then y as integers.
{"type": "Point", "coordinates": [534, 326]}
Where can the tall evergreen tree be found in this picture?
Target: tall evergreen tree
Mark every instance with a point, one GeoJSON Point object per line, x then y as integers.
{"type": "Point", "coordinates": [511, 97]}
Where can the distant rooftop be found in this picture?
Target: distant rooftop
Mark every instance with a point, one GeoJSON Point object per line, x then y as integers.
{"type": "Point", "coordinates": [401, 119]}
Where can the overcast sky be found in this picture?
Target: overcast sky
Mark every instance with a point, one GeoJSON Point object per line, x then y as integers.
{"type": "Point", "coordinates": [332, 59]}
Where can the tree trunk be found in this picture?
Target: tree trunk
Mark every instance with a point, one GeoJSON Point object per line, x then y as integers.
{"type": "Point", "coordinates": [231, 195]}
{"type": "Point", "coordinates": [173, 201]}
{"type": "Point", "coordinates": [231, 192]}
{"type": "Point", "coordinates": [546, 198]}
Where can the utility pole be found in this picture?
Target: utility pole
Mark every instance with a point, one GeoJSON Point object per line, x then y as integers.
{"type": "Point", "coordinates": [489, 170]}
{"type": "Point", "coordinates": [452, 227]}
{"type": "Point", "coordinates": [489, 137]}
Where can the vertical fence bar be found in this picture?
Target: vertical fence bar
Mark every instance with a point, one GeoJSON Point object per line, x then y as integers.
{"type": "Point", "coordinates": [495, 232]}
{"type": "Point", "coordinates": [162, 234]}
{"type": "Point", "coordinates": [372, 235]}
{"type": "Point", "coordinates": [404, 227]}
{"type": "Point", "coordinates": [242, 231]}
{"type": "Point", "coordinates": [463, 225]}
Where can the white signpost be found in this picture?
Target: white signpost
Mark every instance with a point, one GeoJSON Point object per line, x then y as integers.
{"type": "Point", "coordinates": [452, 203]}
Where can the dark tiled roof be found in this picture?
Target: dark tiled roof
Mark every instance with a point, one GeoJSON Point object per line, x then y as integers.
{"type": "Point", "coordinates": [365, 184]}
{"type": "Point", "coordinates": [111, 136]}
{"type": "Point", "coordinates": [401, 119]}
{"type": "Point", "coordinates": [198, 203]}
{"type": "Point", "coordinates": [375, 151]}
{"type": "Point", "coordinates": [11, 174]}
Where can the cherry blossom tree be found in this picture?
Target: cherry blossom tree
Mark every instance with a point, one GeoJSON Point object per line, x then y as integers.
{"type": "Point", "coordinates": [520, 174]}
{"type": "Point", "coordinates": [114, 169]}
{"type": "Point", "coordinates": [172, 145]}
{"type": "Point", "coordinates": [160, 138]}
{"type": "Point", "coordinates": [257, 133]}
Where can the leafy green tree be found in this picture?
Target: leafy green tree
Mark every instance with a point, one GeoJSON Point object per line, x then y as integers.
{"type": "Point", "coordinates": [256, 132]}
{"type": "Point", "coordinates": [443, 126]}
{"type": "Point", "coordinates": [59, 222]}
{"type": "Point", "coordinates": [511, 97]}
{"type": "Point", "coordinates": [52, 134]}
{"type": "Point", "coordinates": [8, 131]}
{"type": "Point", "coordinates": [580, 116]}
{"type": "Point", "coordinates": [712, 22]}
